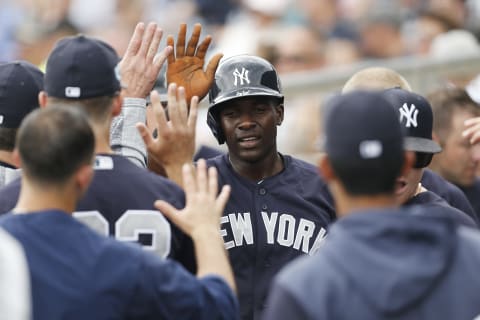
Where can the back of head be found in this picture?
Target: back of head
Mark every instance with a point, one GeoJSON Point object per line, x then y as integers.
{"type": "Point", "coordinates": [364, 142]}
{"type": "Point", "coordinates": [81, 67]}
{"type": "Point", "coordinates": [376, 78]}
{"type": "Point", "coordinates": [82, 71]}
{"type": "Point", "coordinates": [20, 83]}
{"type": "Point", "coordinates": [241, 76]}
{"type": "Point", "coordinates": [53, 143]}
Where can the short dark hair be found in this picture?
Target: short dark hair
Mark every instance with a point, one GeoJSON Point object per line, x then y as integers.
{"type": "Point", "coordinates": [53, 143]}
{"type": "Point", "coordinates": [97, 109]}
{"type": "Point", "coordinates": [7, 138]}
{"type": "Point", "coordinates": [445, 102]}
{"type": "Point", "coordinates": [368, 179]}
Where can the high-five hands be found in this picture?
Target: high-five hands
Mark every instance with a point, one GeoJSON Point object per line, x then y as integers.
{"type": "Point", "coordinates": [185, 66]}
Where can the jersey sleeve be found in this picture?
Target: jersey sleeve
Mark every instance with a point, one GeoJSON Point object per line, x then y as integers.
{"type": "Point", "coordinates": [165, 290]}
{"type": "Point", "coordinates": [124, 136]}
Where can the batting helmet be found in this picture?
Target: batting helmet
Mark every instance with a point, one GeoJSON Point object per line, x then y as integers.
{"type": "Point", "coordinates": [237, 77]}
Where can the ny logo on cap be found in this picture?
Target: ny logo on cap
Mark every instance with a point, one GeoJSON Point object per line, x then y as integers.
{"type": "Point", "coordinates": [242, 76]}
{"type": "Point", "coordinates": [409, 114]}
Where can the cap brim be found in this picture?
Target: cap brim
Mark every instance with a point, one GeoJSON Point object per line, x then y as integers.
{"type": "Point", "coordinates": [246, 92]}
{"type": "Point", "coordinates": [421, 145]}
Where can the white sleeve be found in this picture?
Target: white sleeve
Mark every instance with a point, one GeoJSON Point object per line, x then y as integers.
{"type": "Point", "coordinates": [15, 296]}
{"type": "Point", "coordinates": [124, 136]}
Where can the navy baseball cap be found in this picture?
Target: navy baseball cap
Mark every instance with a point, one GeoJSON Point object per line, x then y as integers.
{"type": "Point", "coordinates": [20, 83]}
{"type": "Point", "coordinates": [81, 67]}
{"type": "Point", "coordinates": [363, 131]}
{"type": "Point", "coordinates": [416, 118]}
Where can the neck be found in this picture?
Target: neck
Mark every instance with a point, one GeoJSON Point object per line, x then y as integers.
{"type": "Point", "coordinates": [102, 138]}
{"type": "Point", "coordinates": [36, 197]}
{"type": "Point", "coordinates": [259, 170]}
{"type": "Point", "coordinates": [347, 204]}
{"type": "Point", "coordinates": [6, 156]}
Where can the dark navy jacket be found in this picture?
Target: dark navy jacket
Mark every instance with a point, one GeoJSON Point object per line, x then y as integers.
{"type": "Point", "coordinates": [432, 201]}
{"type": "Point", "coordinates": [268, 223]}
{"type": "Point", "coordinates": [386, 264]}
{"type": "Point", "coordinates": [78, 274]}
{"type": "Point", "coordinates": [473, 195]}
{"type": "Point", "coordinates": [448, 191]}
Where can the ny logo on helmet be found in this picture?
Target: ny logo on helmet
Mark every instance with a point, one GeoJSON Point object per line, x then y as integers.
{"type": "Point", "coordinates": [409, 114]}
{"type": "Point", "coordinates": [242, 76]}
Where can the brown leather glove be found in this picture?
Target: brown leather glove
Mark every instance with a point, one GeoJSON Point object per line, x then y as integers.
{"type": "Point", "coordinates": [185, 66]}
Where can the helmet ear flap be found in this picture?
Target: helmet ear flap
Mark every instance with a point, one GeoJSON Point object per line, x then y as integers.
{"type": "Point", "coordinates": [215, 127]}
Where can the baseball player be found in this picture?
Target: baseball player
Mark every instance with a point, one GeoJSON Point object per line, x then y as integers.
{"type": "Point", "coordinates": [378, 261]}
{"type": "Point", "coordinates": [81, 73]}
{"type": "Point", "coordinates": [77, 273]}
{"type": "Point", "coordinates": [416, 117]}
{"type": "Point", "coordinates": [279, 207]}
{"type": "Point", "coordinates": [379, 78]}
{"type": "Point", "coordinates": [20, 84]}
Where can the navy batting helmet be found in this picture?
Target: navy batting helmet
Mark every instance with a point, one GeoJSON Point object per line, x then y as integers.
{"type": "Point", "coordinates": [237, 77]}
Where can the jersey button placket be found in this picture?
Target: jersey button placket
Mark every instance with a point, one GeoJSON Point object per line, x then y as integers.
{"type": "Point", "coordinates": [262, 191]}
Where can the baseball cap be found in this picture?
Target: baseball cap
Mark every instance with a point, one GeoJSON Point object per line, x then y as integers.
{"type": "Point", "coordinates": [362, 131]}
{"type": "Point", "coordinates": [20, 83]}
{"type": "Point", "coordinates": [416, 118]}
{"type": "Point", "coordinates": [81, 67]}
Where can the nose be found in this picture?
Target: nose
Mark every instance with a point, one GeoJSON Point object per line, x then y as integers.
{"type": "Point", "coordinates": [247, 121]}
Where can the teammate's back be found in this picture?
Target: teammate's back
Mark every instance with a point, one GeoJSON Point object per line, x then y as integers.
{"type": "Point", "coordinates": [94, 277]}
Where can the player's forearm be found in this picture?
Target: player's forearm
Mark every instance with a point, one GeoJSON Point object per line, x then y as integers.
{"type": "Point", "coordinates": [124, 136]}
{"type": "Point", "coordinates": [174, 173]}
{"type": "Point", "coordinates": [212, 257]}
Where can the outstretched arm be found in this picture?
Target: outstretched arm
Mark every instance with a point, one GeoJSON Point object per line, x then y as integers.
{"type": "Point", "coordinates": [200, 219]}
{"type": "Point", "coordinates": [138, 71]}
{"type": "Point", "coordinates": [185, 66]}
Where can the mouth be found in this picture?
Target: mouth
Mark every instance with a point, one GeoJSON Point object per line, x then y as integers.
{"type": "Point", "coordinates": [249, 142]}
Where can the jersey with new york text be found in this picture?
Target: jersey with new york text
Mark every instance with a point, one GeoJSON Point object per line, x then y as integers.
{"type": "Point", "coordinates": [268, 223]}
{"type": "Point", "coordinates": [119, 202]}
{"type": "Point", "coordinates": [78, 274]}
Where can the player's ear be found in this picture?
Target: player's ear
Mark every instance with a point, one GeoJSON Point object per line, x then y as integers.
{"type": "Point", "coordinates": [279, 110]}
{"type": "Point", "coordinates": [83, 177]}
{"type": "Point", "coordinates": [42, 99]}
{"type": "Point", "coordinates": [325, 168]}
{"type": "Point", "coordinates": [117, 104]}
{"type": "Point", "coordinates": [17, 161]}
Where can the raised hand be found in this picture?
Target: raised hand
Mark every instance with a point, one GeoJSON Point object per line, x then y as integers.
{"type": "Point", "coordinates": [141, 64]}
{"type": "Point", "coordinates": [185, 66]}
{"type": "Point", "coordinates": [175, 141]}
{"type": "Point", "coordinates": [204, 206]}
{"type": "Point", "coordinates": [472, 130]}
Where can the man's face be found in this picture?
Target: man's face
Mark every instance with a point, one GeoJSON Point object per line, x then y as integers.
{"type": "Point", "coordinates": [250, 127]}
{"type": "Point", "coordinates": [459, 159]}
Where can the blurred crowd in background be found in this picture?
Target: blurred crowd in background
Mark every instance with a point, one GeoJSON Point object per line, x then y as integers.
{"type": "Point", "coordinates": [293, 35]}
